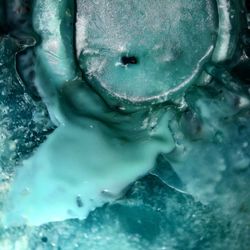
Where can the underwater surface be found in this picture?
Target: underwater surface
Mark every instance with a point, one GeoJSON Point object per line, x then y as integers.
{"type": "Point", "coordinates": [124, 124]}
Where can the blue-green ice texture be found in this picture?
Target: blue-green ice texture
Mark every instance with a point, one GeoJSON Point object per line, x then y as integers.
{"type": "Point", "coordinates": [174, 176]}
{"type": "Point", "coordinates": [97, 151]}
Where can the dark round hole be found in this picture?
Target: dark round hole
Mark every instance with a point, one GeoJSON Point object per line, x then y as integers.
{"type": "Point", "coordinates": [125, 60]}
{"type": "Point", "coordinates": [44, 239]}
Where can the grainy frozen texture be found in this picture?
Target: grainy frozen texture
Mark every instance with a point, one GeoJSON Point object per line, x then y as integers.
{"type": "Point", "coordinates": [194, 151]}
{"type": "Point", "coordinates": [158, 33]}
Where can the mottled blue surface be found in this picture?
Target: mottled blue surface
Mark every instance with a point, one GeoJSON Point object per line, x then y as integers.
{"type": "Point", "coordinates": [196, 197]}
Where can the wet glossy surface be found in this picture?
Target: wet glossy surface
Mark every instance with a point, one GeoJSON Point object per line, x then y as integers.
{"type": "Point", "coordinates": [170, 175]}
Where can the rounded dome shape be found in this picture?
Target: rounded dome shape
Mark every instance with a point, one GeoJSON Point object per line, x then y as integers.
{"type": "Point", "coordinates": [144, 50]}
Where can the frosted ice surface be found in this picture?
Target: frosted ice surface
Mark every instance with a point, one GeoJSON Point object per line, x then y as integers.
{"type": "Point", "coordinates": [210, 165]}
{"type": "Point", "coordinates": [156, 33]}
